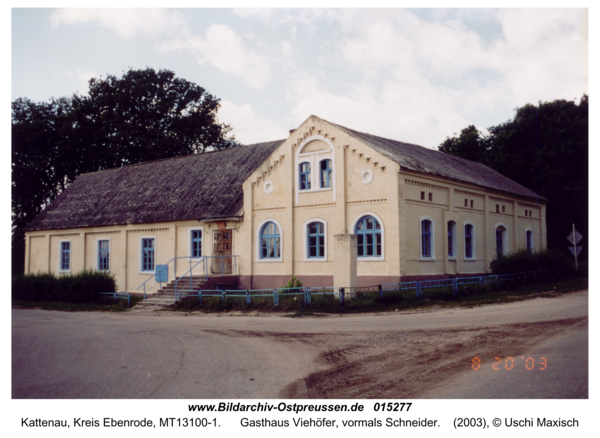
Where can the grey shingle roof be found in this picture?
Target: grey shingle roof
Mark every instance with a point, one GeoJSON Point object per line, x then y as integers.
{"type": "Point", "coordinates": [203, 186]}
{"type": "Point", "coordinates": [420, 159]}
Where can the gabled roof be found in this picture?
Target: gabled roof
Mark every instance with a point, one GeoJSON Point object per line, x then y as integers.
{"type": "Point", "coordinates": [202, 186]}
{"type": "Point", "coordinates": [421, 159]}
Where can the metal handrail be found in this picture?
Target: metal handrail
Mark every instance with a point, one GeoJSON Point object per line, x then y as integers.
{"type": "Point", "coordinates": [167, 264]}
{"type": "Point", "coordinates": [202, 260]}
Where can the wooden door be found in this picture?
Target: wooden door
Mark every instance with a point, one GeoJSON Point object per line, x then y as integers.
{"type": "Point", "coordinates": [222, 247]}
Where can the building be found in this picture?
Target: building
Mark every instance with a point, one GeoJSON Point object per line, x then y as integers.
{"type": "Point", "coordinates": [274, 210]}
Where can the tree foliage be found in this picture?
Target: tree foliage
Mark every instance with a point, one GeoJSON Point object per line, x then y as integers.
{"type": "Point", "coordinates": [543, 147]}
{"type": "Point", "coordinates": [143, 115]}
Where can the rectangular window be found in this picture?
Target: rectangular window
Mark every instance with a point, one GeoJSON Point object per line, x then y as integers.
{"type": "Point", "coordinates": [503, 209]}
{"type": "Point", "coordinates": [450, 239]}
{"type": "Point", "coordinates": [103, 255]}
{"type": "Point", "coordinates": [148, 254]}
{"type": "Point", "coordinates": [497, 208]}
{"type": "Point", "coordinates": [431, 196]}
{"type": "Point", "coordinates": [326, 173]}
{"type": "Point", "coordinates": [65, 256]}
{"type": "Point", "coordinates": [469, 241]}
{"type": "Point", "coordinates": [466, 202]}
{"type": "Point", "coordinates": [422, 196]}
{"type": "Point", "coordinates": [196, 243]}
{"type": "Point", "coordinates": [471, 203]}
{"type": "Point", "coordinates": [305, 176]}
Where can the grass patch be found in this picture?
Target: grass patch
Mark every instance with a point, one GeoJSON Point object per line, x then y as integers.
{"type": "Point", "coordinates": [106, 305]}
{"type": "Point", "coordinates": [323, 305]}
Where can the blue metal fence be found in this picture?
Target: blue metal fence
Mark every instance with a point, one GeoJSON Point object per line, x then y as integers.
{"type": "Point", "coordinates": [418, 286]}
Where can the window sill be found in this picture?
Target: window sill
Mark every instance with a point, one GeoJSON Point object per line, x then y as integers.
{"type": "Point", "coordinates": [315, 259]}
{"type": "Point", "coordinates": [279, 260]}
{"type": "Point", "coordinates": [324, 189]}
{"type": "Point", "coordinates": [428, 259]}
{"type": "Point", "coordinates": [370, 259]}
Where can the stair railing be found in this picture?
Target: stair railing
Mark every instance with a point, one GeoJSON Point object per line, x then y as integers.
{"type": "Point", "coordinates": [174, 260]}
{"type": "Point", "coordinates": [202, 260]}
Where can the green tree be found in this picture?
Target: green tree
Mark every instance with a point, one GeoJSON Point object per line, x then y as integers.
{"type": "Point", "coordinates": [144, 115]}
{"type": "Point", "coordinates": [470, 145]}
{"type": "Point", "coordinates": [544, 148]}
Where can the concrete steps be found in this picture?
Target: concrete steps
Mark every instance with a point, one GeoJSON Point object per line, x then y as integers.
{"type": "Point", "coordinates": [165, 297]}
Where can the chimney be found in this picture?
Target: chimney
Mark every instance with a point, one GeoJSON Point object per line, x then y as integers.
{"type": "Point", "coordinates": [292, 131]}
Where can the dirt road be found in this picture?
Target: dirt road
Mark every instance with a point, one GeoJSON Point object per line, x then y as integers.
{"type": "Point", "coordinates": [394, 355]}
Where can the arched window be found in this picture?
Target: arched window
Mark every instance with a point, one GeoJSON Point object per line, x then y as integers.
{"type": "Point", "coordinates": [451, 239]}
{"type": "Point", "coordinates": [304, 176]}
{"type": "Point", "coordinates": [469, 241]}
{"type": "Point", "coordinates": [529, 239]}
{"type": "Point", "coordinates": [426, 238]}
{"type": "Point", "coordinates": [500, 237]}
{"type": "Point", "coordinates": [325, 173]}
{"type": "Point", "coordinates": [270, 241]}
{"type": "Point", "coordinates": [368, 235]}
{"type": "Point", "coordinates": [316, 240]}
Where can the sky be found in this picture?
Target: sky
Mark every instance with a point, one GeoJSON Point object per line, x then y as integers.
{"type": "Point", "coordinates": [414, 75]}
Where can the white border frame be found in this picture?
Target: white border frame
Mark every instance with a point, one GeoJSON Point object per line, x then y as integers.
{"type": "Point", "coordinates": [140, 254]}
{"type": "Point", "coordinates": [314, 158]}
{"type": "Point", "coordinates": [473, 242]}
{"type": "Point", "coordinates": [505, 240]}
{"type": "Point", "coordinates": [60, 270]}
{"type": "Point", "coordinates": [431, 241]}
{"type": "Point", "coordinates": [305, 240]}
{"type": "Point", "coordinates": [189, 239]}
{"type": "Point", "coordinates": [353, 229]}
{"type": "Point", "coordinates": [259, 242]}
{"type": "Point", "coordinates": [98, 239]}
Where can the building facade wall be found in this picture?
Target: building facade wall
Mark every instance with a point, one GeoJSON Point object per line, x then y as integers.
{"type": "Point", "coordinates": [363, 183]}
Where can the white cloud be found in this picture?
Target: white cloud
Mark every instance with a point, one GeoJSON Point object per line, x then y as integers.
{"type": "Point", "coordinates": [83, 78]}
{"type": "Point", "coordinates": [126, 22]}
{"type": "Point", "coordinates": [249, 127]}
{"type": "Point", "coordinates": [222, 48]}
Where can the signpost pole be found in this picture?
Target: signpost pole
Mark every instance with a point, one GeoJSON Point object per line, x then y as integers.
{"type": "Point", "coordinates": [575, 248]}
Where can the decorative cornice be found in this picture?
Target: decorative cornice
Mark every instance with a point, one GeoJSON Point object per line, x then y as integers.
{"type": "Point", "coordinates": [464, 192]}
{"type": "Point", "coordinates": [411, 182]}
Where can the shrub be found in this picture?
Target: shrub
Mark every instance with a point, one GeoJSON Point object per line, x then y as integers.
{"type": "Point", "coordinates": [294, 282]}
{"type": "Point", "coordinates": [84, 287]}
{"type": "Point", "coordinates": [555, 262]}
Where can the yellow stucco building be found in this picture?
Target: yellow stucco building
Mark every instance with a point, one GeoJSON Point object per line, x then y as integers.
{"type": "Point", "coordinates": [264, 213]}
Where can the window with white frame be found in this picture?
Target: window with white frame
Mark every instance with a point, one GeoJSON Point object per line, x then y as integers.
{"type": "Point", "coordinates": [326, 168]}
{"type": "Point", "coordinates": [426, 238]}
{"type": "Point", "coordinates": [148, 255]}
{"type": "Point", "coordinates": [315, 240]}
{"type": "Point", "coordinates": [368, 236]}
{"type": "Point", "coordinates": [196, 243]}
{"type": "Point", "coordinates": [103, 255]}
{"type": "Point", "coordinates": [500, 241]}
{"type": "Point", "coordinates": [305, 179]}
{"type": "Point", "coordinates": [451, 239]}
{"type": "Point", "coordinates": [270, 241]}
{"type": "Point", "coordinates": [529, 240]}
{"type": "Point", "coordinates": [65, 256]}
{"type": "Point", "coordinates": [469, 241]}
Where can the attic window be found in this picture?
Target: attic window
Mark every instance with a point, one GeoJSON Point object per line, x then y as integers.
{"type": "Point", "coordinates": [503, 209]}
{"type": "Point", "coordinates": [466, 202]}
{"type": "Point", "coordinates": [471, 203]}
{"type": "Point", "coordinates": [422, 196]}
{"type": "Point", "coordinates": [430, 197]}
{"type": "Point", "coordinates": [497, 208]}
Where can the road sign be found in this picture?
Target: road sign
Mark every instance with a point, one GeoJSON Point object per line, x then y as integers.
{"type": "Point", "coordinates": [579, 248]}
{"type": "Point", "coordinates": [578, 237]}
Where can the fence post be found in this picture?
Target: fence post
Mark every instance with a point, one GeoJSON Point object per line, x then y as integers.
{"type": "Point", "coordinates": [380, 292]}
{"type": "Point", "coordinates": [275, 297]}
{"type": "Point", "coordinates": [223, 297]}
{"type": "Point", "coordinates": [481, 281]}
{"type": "Point", "coordinates": [454, 287]}
{"type": "Point", "coordinates": [497, 280]}
{"type": "Point", "coordinates": [200, 296]}
{"type": "Point", "coordinates": [307, 295]}
{"type": "Point", "coordinates": [342, 299]}
{"type": "Point", "coordinates": [247, 297]}
{"type": "Point", "coordinates": [418, 289]}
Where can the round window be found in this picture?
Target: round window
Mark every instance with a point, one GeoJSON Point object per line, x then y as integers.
{"type": "Point", "coordinates": [367, 176]}
{"type": "Point", "coordinates": [268, 187]}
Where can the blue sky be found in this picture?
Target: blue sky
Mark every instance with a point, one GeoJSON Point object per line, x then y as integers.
{"type": "Point", "coordinates": [408, 74]}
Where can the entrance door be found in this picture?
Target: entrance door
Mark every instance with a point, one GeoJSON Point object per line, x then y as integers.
{"type": "Point", "coordinates": [222, 247]}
